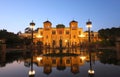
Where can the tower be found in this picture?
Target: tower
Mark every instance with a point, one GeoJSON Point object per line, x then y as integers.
{"type": "Point", "coordinates": [47, 33]}
{"type": "Point", "coordinates": [73, 25]}
{"type": "Point", "coordinates": [74, 32]}
{"type": "Point", "coordinates": [47, 25]}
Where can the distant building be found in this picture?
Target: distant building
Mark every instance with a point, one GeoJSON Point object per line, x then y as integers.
{"type": "Point", "coordinates": [60, 35]}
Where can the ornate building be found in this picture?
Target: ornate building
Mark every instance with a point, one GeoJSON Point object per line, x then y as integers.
{"type": "Point", "coordinates": [61, 36]}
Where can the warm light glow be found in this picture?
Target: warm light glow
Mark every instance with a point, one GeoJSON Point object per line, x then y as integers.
{"type": "Point", "coordinates": [66, 40]}
{"type": "Point", "coordinates": [90, 71]}
{"type": "Point", "coordinates": [82, 35]}
{"type": "Point", "coordinates": [89, 25]}
{"type": "Point", "coordinates": [39, 58]}
{"type": "Point", "coordinates": [39, 36]}
{"type": "Point", "coordinates": [83, 57]}
{"type": "Point", "coordinates": [31, 72]}
{"type": "Point", "coordinates": [31, 26]}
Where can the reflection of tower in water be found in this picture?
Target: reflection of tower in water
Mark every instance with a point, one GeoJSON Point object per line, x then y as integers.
{"type": "Point", "coordinates": [47, 65]}
{"type": "Point", "coordinates": [61, 61]}
{"type": "Point", "coordinates": [74, 65]}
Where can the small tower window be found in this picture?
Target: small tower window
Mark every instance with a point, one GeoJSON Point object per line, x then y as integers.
{"type": "Point", "coordinates": [53, 32]}
{"type": "Point", "coordinates": [41, 33]}
{"type": "Point", "coordinates": [74, 36]}
{"type": "Point", "coordinates": [67, 32]}
{"type": "Point", "coordinates": [47, 37]}
{"type": "Point", "coordinates": [60, 32]}
{"type": "Point", "coordinates": [79, 32]}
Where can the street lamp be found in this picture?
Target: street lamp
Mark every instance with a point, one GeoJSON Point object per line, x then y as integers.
{"type": "Point", "coordinates": [32, 72]}
{"type": "Point", "coordinates": [89, 25]}
{"type": "Point", "coordinates": [32, 25]}
{"type": "Point", "coordinates": [91, 71]}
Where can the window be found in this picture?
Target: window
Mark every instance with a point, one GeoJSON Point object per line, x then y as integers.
{"type": "Point", "coordinates": [67, 32]}
{"type": "Point", "coordinates": [41, 33]}
{"type": "Point", "coordinates": [74, 36]}
{"type": "Point", "coordinates": [60, 32]}
{"type": "Point", "coordinates": [68, 61]}
{"type": "Point", "coordinates": [74, 27]}
{"type": "Point", "coordinates": [53, 61]}
{"type": "Point", "coordinates": [79, 32]}
{"type": "Point", "coordinates": [46, 37]}
{"type": "Point", "coordinates": [47, 27]}
{"type": "Point", "coordinates": [53, 32]}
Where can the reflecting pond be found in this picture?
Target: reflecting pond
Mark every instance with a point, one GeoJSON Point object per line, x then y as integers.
{"type": "Point", "coordinates": [60, 62]}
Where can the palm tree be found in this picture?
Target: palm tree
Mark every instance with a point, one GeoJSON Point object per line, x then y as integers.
{"type": "Point", "coordinates": [28, 30]}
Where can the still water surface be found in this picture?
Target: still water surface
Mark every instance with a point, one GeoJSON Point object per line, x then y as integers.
{"type": "Point", "coordinates": [60, 63]}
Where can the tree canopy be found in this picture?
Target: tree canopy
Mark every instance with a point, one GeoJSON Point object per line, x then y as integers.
{"type": "Point", "coordinates": [109, 34]}
{"type": "Point", "coordinates": [10, 37]}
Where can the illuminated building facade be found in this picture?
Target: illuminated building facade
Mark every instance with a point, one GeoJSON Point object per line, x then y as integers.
{"type": "Point", "coordinates": [61, 36]}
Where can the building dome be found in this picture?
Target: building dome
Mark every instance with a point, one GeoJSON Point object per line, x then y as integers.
{"type": "Point", "coordinates": [60, 26]}
{"type": "Point", "coordinates": [88, 22]}
{"type": "Point", "coordinates": [73, 21]}
{"type": "Point", "coordinates": [47, 21]}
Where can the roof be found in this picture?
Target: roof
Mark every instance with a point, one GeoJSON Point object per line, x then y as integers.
{"type": "Point", "coordinates": [32, 23]}
{"type": "Point", "coordinates": [73, 21]}
{"type": "Point", "coordinates": [60, 26]}
{"type": "Point", "coordinates": [47, 21]}
{"type": "Point", "coordinates": [88, 22]}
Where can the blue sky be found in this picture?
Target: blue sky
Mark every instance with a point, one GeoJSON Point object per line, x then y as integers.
{"type": "Point", "coordinates": [15, 15]}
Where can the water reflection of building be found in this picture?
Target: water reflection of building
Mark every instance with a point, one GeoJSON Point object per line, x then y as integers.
{"type": "Point", "coordinates": [60, 63]}
{"type": "Point", "coordinates": [60, 60]}
{"type": "Point", "coordinates": [69, 36]}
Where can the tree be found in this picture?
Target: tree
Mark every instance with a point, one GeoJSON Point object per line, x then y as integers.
{"type": "Point", "coordinates": [19, 33]}
{"type": "Point", "coordinates": [28, 30]}
{"type": "Point", "coordinates": [109, 35]}
{"type": "Point", "coordinates": [11, 38]}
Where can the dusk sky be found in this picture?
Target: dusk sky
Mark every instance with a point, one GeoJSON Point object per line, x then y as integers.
{"type": "Point", "coordinates": [15, 15]}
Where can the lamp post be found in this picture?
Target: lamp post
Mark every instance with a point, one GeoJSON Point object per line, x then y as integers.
{"type": "Point", "coordinates": [90, 71]}
{"type": "Point", "coordinates": [32, 25]}
{"type": "Point", "coordinates": [32, 72]}
{"type": "Point", "coordinates": [89, 25]}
